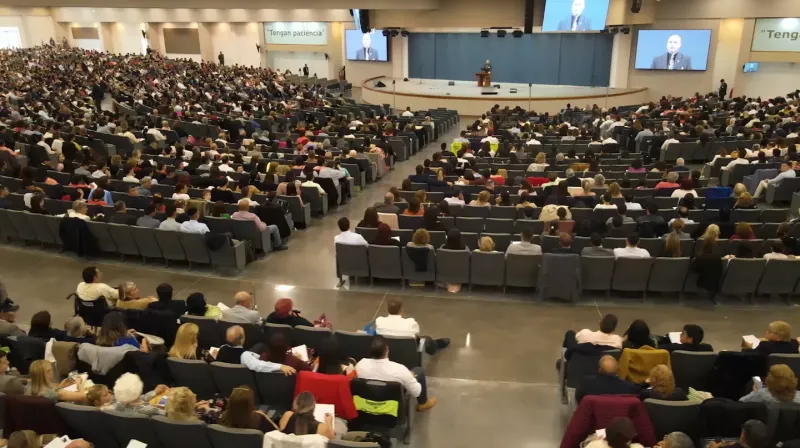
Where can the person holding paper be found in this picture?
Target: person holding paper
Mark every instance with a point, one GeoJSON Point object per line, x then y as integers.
{"type": "Point", "coordinates": [690, 339]}
{"type": "Point", "coordinates": [41, 384]}
{"type": "Point", "coordinates": [301, 419]}
{"type": "Point", "coordinates": [779, 387]}
{"type": "Point", "coordinates": [778, 339]}
{"type": "Point", "coordinates": [378, 367]}
{"type": "Point", "coordinates": [396, 325]}
{"type": "Point", "coordinates": [277, 350]}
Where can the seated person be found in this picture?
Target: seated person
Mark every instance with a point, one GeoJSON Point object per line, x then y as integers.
{"type": "Point", "coordinates": [330, 360]}
{"type": "Point", "coordinates": [130, 298]}
{"type": "Point", "coordinates": [186, 344]}
{"type": "Point", "coordinates": [396, 325]}
{"type": "Point", "coordinates": [300, 420]}
{"type": "Point", "coordinates": [243, 312]}
{"type": "Point", "coordinates": [779, 387]}
{"type": "Point", "coordinates": [638, 335]}
{"type": "Point", "coordinates": [755, 434]}
{"type": "Point", "coordinates": [605, 335]}
{"type": "Point", "coordinates": [378, 367]}
{"type": "Point", "coordinates": [691, 340]}
{"type": "Point", "coordinates": [606, 382]}
{"type": "Point", "coordinates": [241, 412]}
{"type": "Point", "coordinates": [285, 314]}
{"type": "Point", "coordinates": [40, 328]}
{"type": "Point", "coordinates": [9, 384]}
{"type": "Point", "coordinates": [232, 351]}
{"type": "Point", "coordinates": [91, 288]}
{"type": "Point", "coordinates": [778, 339]}
{"type": "Point", "coordinates": [98, 396]}
{"type": "Point", "coordinates": [128, 396]}
{"type": "Point", "coordinates": [42, 384]}
{"type": "Point", "coordinates": [252, 361]}
{"type": "Point", "coordinates": [662, 386]}
{"type": "Point", "coordinates": [196, 306]}
{"type": "Point", "coordinates": [114, 333]}
{"type": "Point", "coordinates": [77, 331]}
{"type": "Point", "coordinates": [277, 351]}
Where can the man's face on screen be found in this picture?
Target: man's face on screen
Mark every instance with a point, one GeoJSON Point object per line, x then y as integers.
{"type": "Point", "coordinates": [578, 7]}
{"type": "Point", "coordinates": [674, 43]}
{"type": "Point", "coordinates": [366, 40]}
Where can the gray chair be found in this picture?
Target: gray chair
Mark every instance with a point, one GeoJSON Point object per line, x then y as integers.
{"type": "Point", "coordinates": [494, 225]}
{"type": "Point", "coordinates": [550, 243]}
{"type": "Point", "coordinates": [146, 242]}
{"type": "Point", "coordinates": [219, 225]}
{"type": "Point", "coordinates": [127, 426]}
{"type": "Point", "coordinates": [100, 232]}
{"type": "Point", "coordinates": [318, 203]}
{"type": "Point", "coordinates": [209, 335]}
{"type": "Point", "coordinates": [470, 224]}
{"type": "Point", "coordinates": [614, 243]}
{"type": "Point", "coordinates": [486, 268]}
{"type": "Point", "coordinates": [88, 423]}
{"type": "Point", "coordinates": [502, 212]}
{"type": "Point", "coordinates": [596, 273]}
{"type": "Point", "coordinates": [20, 223]}
{"type": "Point", "coordinates": [404, 350]}
{"type": "Point", "coordinates": [470, 239]}
{"type": "Point", "coordinates": [668, 274]}
{"type": "Point", "coordinates": [536, 227]}
{"type": "Point", "coordinates": [224, 437]}
{"type": "Point", "coordinates": [7, 230]}
{"type": "Point", "coordinates": [227, 377]}
{"type": "Point", "coordinates": [170, 244]}
{"type": "Point", "coordinates": [742, 276]}
{"type": "Point", "coordinates": [693, 369]}
{"type": "Point", "coordinates": [560, 276]}
{"type": "Point", "coordinates": [249, 231]}
{"type": "Point", "coordinates": [452, 266]}
{"type": "Point", "coordinates": [654, 246]}
{"type": "Point", "coordinates": [311, 337]}
{"type": "Point", "coordinates": [352, 261]}
{"type": "Point", "coordinates": [354, 345]}
{"type": "Point", "coordinates": [301, 214]}
{"type": "Point", "coordinates": [195, 248]}
{"type": "Point", "coordinates": [123, 238]}
{"type": "Point", "coordinates": [780, 277]}
{"type": "Point", "coordinates": [745, 215]}
{"type": "Point", "coordinates": [671, 416]}
{"type": "Point", "coordinates": [368, 233]}
{"type": "Point", "coordinates": [39, 226]}
{"type": "Point", "coordinates": [631, 274]}
{"type": "Point", "coordinates": [230, 255]}
{"type": "Point", "coordinates": [287, 330]}
{"type": "Point", "coordinates": [182, 433]}
{"type": "Point", "coordinates": [410, 272]}
{"type": "Point", "coordinates": [501, 240]}
{"type": "Point", "coordinates": [472, 211]}
{"type": "Point", "coordinates": [522, 270]}
{"type": "Point", "coordinates": [194, 374]}
{"type": "Point", "coordinates": [411, 222]}
{"type": "Point", "coordinates": [384, 262]}
{"type": "Point", "coordinates": [438, 238]}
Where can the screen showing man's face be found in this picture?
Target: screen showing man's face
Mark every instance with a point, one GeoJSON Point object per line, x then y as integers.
{"type": "Point", "coordinates": [366, 40]}
{"type": "Point", "coordinates": [578, 7]}
{"type": "Point", "coordinates": [674, 43]}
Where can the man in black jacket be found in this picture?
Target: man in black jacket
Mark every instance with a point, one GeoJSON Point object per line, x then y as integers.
{"type": "Point", "coordinates": [231, 352]}
{"type": "Point", "coordinates": [572, 179]}
{"type": "Point", "coordinates": [421, 178]}
{"type": "Point", "coordinates": [606, 382]}
{"type": "Point", "coordinates": [691, 340]}
{"type": "Point", "coordinates": [121, 215]}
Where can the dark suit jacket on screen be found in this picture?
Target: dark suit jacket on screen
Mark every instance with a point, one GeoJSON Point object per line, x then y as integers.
{"type": "Point", "coordinates": [367, 54]}
{"type": "Point", "coordinates": [682, 62]}
{"type": "Point", "coordinates": [584, 24]}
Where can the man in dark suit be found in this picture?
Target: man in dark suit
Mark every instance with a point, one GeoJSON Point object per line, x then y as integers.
{"type": "Point", "coordinates": [366, 52]}
{"type": "Point", "coordinates": [606, 382]}
{"type": "Point", "coordinates": [572, 179]}
{"type": "Point", "coordinates": [421, 178]}
{"type": "Point", "coordinates": [577, 21]}
{"type": "Point", "coordinates": [673, 59]}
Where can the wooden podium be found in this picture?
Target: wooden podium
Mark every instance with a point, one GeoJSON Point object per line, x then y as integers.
{"type": "Point", "coordinates": [484, 79]}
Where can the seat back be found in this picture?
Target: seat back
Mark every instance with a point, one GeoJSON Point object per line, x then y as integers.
{"type": "Point", "coordinates": [276, 389]}
{"type": "Point", "coordinates": [170, 244]}
{"type": "Point", "coordinates": [195, 248]}
{"type": "Point", "coordinates": [631, 274]}
{"type": "Point", "coordinates": [123, 238]}
{"type": "Point", "coordinates": [410, 272]}
{"type": "Point", "coordinates": [693, 369]}
{"type": "Point", "coordinates": [384, 262]}
{"type": "Point", "coordinates": [88, 423]}
{"type": "Point", "coordinates": [470, 223]}
{"type": "Point", "coordinates": [145, 239]}
{"type": "Point", "coordinates": [668, 274]}
{"type": "Point", "coordinates": [230, 376]}
{"type": "Point", "coordinates": [522, 270]}
{"type": "Point", "coordinates": [127, 426]}
{"type": "Point", "coordinates": [452, 266]}
{"type": "Point", "coordinates": [410, 222]}
{"type": "Point", "coordinates": [487, 268]}
{"type": "Point", "coordinates": [92, 311]}
{"type": "Point", "coordinates": [404, 350]}
{"type": "Point", "coordinates": [100, 232]}
{"type": "Point", "coordinates": [352, 260]}
{"type": "Point", "coordinates": [354, 345]}
{"type": "Point", "coordinates": [367, 392]}
{"type": "Point", "coordinates": [596, 273]}
{"type": "Point", "coordinates": [249, 231]}
{"type": "Point", "coordinates": [580, 366]}
{"type": "Point", "coordinates": [38, 224]}
{"type": "Point", "coordinates": [194, 374]}
{"type": "Point", "coordinates": [671, 416]}
{"type": "Point", "coordinates": [780, 277]}
{"type": "Point", "coordinates": [311, 337]}
{"type": "Point", "coordinates": [224, 437]}
{"type": "Point", "coordinates": [187, 433]}
{"type": "Point", "coordinates": [742, 275]}
{"type": "Point", "coordinates": [209, 335]}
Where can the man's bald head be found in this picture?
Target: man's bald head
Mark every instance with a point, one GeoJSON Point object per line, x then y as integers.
{"type": "Point", "coordinates": [235, 336]}
{"type": "Point", "coordinates": [388, 198]}
{"type": "Point", "coordinates": [244, 299]}
{"type": "Point", "coordinates": [608, 365]}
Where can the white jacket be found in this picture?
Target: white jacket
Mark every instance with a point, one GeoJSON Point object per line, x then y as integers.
{"type": "Point", "coordinates": [277, 439]}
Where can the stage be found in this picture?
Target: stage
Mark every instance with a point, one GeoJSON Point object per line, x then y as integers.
{"type": "Point", "coordinates": [466, 97]}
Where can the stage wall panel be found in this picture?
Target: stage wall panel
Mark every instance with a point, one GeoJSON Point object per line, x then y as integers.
{"type": "Point", "coordinates": [540, 58]}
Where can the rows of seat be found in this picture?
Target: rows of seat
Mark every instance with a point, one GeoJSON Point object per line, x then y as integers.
{"type": "Point", "coordinates": [742, 277]}
{"type": "Point", "coordinates": [132, 240]}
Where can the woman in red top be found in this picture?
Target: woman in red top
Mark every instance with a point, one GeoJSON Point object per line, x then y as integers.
{"type": "Point", "coordinates": [744, 231]}
{"type": "Point", "coordinates": [277, 351]}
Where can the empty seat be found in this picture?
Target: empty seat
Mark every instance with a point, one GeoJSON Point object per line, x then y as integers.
{"type": "Point", "coordinates": [123, 238]}
{"type": "Point", "coordinates": [742, 276]}
{"type": "Point", "coordinates": [170, 244]}
{"type": "Point", "coordinates": [487, 268]}
{"type": "Point", "coordinates": [384, 262]}
{"type": "Point", "coordinates": [127, 426]}
{"type": "Point", "coordinates": [145, 239]}
{"type": "Point", "coordinates": [596, 273]}
{"type": "Point", "coordinates": [224, 437]}
{"type": "Point", "coordinates": [194, 374]}
{"type": "Point", "coordinates": [499, 225]}
{"type": "Point", "coordinates": [452, 266]}
{"type": "Point", "coordinates": [191, 433]}
{"type": "Point", "coordinates": [780, 277]}
{"type": "Point", "coordinates": [631, 274]}
{"type": "Point", "coordinates": [470, 224]}
{"type": "Point", "coordinates": [102, 236]}
{"type": "Point", "coordinates": [88, 423]}
{"type": "Point", "coordinates": [668, 274]}
{"type": "Point", "coordinates": [351, 260]}
{"type": "Point", "coordinates": [227, 377]}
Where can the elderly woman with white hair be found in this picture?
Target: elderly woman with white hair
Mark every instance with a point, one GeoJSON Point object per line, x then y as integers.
{"type": "Point", "coordinates": [128, 396]}
{"type": "Point", "coordinates": [131, 298]}
{"type": "Point", "coordinates": [77, 331]}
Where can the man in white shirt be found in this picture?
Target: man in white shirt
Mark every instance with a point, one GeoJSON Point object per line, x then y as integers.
{"type": "Point", "coordinates": [347, 236]}
{"type": "Point", "coordinates": [91, 289]}
{"type": "Point", "coordinates": [786, 172]}
{"type": "Point", "coordinates": [407, 112]}
{"type": "Point", "coordinates": [669, 141]}
{"type": "Point", "coordinates": [193, 225]}
{"type": "Point", "coordinates": [777, 253]}
{"type": "Point", "coordinates": [606, 198]}
{"type": "Point", "coordinates": [631, 250]}
{"type": "Point", "coordinates": [457, 198]}
{"type": "Point", "coordinates": [156, 134]}
{"type": "Point", "coordinates": [736, 161]}
{"type": "Point", "coordinates": [378, 367]}
{"type": "Point", "coordinates": [170, 223]}
{"type": "Point", "coordinates": [398, 326]}
{"type": "Point", "coordinates": [605, 336]}
{"type": "Point", "coordinates": [609, 141]}
{"type": "Point", "coordinates": [533, 141]}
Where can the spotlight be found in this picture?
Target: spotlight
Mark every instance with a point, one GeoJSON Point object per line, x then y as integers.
{"type": "Point", "coordinates": [517, 33]}
{"type": "Point", "coordinates": [395, 33]}
{"type": "Point", "coordinates": [386, 33]}
{"type": "Point", "coordinates": [404, 33]}
{"type": "Point", "coordinates": [501, 33]}
{"type": "Point", "coordinates": [484, 33]}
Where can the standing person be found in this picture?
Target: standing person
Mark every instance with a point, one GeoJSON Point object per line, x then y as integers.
{"type": "Point", "coordinates": [221, 58]}
{"type": "Point", "coordinates": [305, 70]}
{"type": "Point", "coordinates": [723, 89]}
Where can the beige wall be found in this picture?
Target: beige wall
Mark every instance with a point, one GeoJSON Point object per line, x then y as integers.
{"type": "Point", "coordinates": [725, 9]}
{"type": "Point", "coordinates": [459, 14]}
{"type": "Point", "coordinates": [237, 41]}
{"type": "Point", "coordinates": [36, 25]}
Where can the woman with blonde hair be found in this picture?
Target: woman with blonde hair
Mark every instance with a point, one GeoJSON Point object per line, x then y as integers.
{"type": "Point", "coordinates": [781, 387]}
{"type": "Point", "coordinates": [672, 245]}
{"type": "Point", "coordinates": [539, 164]}
{"type": "Point", "coordinates": [738, 190]}
{"type": "Point", "coordinates": [709, 239]}
{"type": "Point", "coordinates": [181, 404]}
{"type": "Point", "coordinates": [482, 200]}
{"type": "Point", "coordinates": [662, 385]}
{"type": "Point", "coordinates": [300, 420]}
{"type": "Point", "coordinates": [486, 244]}
{"type": "Point", "coordinates": [99, 396]}
{"type": "Point", "coordinates": [586, 189]}
{"type": "Point", "coordinates": [42, 384]}
{"type": "Point", "coordinates": [777, 339]}
{"type": "Point", "coordinates": [614, 190]}
{"type": "Point", "coordinates": [185, 346]}
{"type": "Point", "coordinates": [744, 201]}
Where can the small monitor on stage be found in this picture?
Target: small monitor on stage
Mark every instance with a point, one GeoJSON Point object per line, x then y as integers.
{"type": "Point", "coordinates": [675, 50]}
{"type": "Point", "coordinates": [750, 67]}
{"type": "Point", "coordinates": [372, 46]}
{"type": "Point", "coordinates": [575, 15]}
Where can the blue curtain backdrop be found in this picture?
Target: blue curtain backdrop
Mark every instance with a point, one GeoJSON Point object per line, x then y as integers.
{"type": "Point", "coordinates": [542, 58]}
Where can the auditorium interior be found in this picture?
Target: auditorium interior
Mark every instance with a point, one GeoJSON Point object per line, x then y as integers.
{"type": "Point", "coordinates": [305, 65]}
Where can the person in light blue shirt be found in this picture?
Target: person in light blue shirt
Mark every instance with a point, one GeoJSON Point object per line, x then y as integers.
{"type": "Point", "coordinates": [253, 362]}
{"type": "Point", "coordinates": [779, 387]}
{"type": "Point", "coordinates": [786, 172]}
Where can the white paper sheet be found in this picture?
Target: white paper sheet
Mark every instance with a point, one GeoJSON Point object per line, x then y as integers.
{"type": "Point", "coordinates": [754, 341]}
{"type": "Point", "coordinates": [301, 352]}
{"type": "Point", "coordinates": [675, 337]}
{"type": "Point", "coordinates": [222, 306]}
{"type": "Point", "coordinates": [321, 409]}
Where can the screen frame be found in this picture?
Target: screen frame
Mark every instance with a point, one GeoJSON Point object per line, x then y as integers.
{"type": "Point", "coordinates": [388, 46]}
{"type": "Point", "coordinates": [708, 52]}
{"type": "Point", "coordinates": [758, 66]}
{"type": "Point", "coordinates": [599, 30]}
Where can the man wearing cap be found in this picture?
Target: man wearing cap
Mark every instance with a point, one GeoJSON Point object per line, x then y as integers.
{"type": "Point", "coordinates": [285, 314]}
